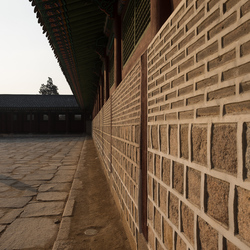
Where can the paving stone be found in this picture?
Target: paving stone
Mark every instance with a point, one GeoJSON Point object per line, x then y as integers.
{"type": "Point", "coordinates": [40, 177]}
{"type": "Point", "coordinates": [52, 196]}
{"type": "Point", "coordinates": [10, 216]}
{"type": "Point", "coordinates": [54, 187]}
{"type": "Point", "coordinates": [2, 228]}
{"type": "Point", "coordinates": [16, 202]}
{"type": "Point", "coordinates": [62, 178]}
{"type": "Point", "coordinates": [43, 209]}
{"type": "Point", "coordinates": [18, 234]}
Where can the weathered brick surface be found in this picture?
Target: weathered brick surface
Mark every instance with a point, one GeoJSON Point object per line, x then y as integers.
{"type": "Point", "coordinates": [207, 236]}
{"type": "Point", "coordinates": [187, 222]}
{"type": "Point", "coordinates": [173, 209]}
{"type": "Point", "coordinates": [184, 141]}
{"type": "Point", "coordinates": [178, 177]}
{"type": "Point", "coordinates": [224, 147]}
{"type": "Point", "coordinates": [167, 235]}
{"type": "Point", "coordinates": [243, 211]}
{"type": "Point", "coordinates": [166, 170]}
{"type": "Point", "coordinates": [198, 136]}
{"type": "Point", "coordinates": [217, 196]}
{"type": "Point", "coordinates": [193, 186]}
{"type": "Point", "coordinates": [199, 144]}
{"type": "Point", "coordinates": [173, 139]}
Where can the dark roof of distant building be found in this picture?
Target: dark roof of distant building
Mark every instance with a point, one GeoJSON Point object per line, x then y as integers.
{"type": "Point", "coordinates": [38, 102]}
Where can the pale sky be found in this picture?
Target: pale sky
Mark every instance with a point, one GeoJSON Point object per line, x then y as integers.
{"type": "Point", "coordinates": [26, 59]}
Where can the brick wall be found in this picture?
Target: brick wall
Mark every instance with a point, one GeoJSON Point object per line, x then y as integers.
{"type": "Point", "coordinates": [116, 133]}
{"type": "Point", "coordinates": [199, 128]}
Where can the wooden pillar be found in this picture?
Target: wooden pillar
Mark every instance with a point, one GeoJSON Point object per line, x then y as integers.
{"type": "Point", "coordinates": [117, 50]}
{"type": "Point", "coordinates": [160, 11]}
{"type": "Point", "coordinates": [106, 79]}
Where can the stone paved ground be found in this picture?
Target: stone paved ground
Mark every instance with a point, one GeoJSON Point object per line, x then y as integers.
{"type": "Point", "coordinates": [36, 174]}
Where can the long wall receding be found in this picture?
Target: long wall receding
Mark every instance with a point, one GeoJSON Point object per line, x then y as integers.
{"type": "Point", "coordinates": [198, 131]}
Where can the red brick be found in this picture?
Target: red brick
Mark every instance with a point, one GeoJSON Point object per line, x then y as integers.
{"type": "Point", "coordinates": [167, 235]}
{"type": "Point", "coordinates": [151, 162]}
{"type": "Point", "coordinates": [243, 212]}
{"type": "Point", "coordinates": [177, 104]}
{"type": "Point", "coordinates": [163, 199]}
{"type": "Point", "coordinates": [199, 144]}
{"type": "Point", "coordinates": [163, 138]}
{"type": "Point", "coordinates": [151, 238]}
{"type": "Point", "coordinates": [178, 58]}
{"type": "Point", "coordinates": [237, 108]}
{"type": "Point", "coordinates": [170, 33]}
{"type": "Point", "coordinates": [244, 87]}
{"type": "Point", "coordinates": [171, 53]}
{"type": "Point", "coordinates": [178, 36]}
{"type": "Point", "coordinates": [171, 95]}
{"type": "Point", "coordinates": [246, 151]}
{"type": "Point", "coordinates": [236, 34]}
{"type": "Point", "coordinates": [178, 14]}
{"type": "Point", "coordinates": [155, 191]}
{"type": "Point", "coordinates": [210, 50]}
{"type": "Point", "coordinates": [173, 209]}
{"type": "Point", "coordinates": [150, 211]}
{"type": "Point", "coordinates": [178, 81]}
{"type": "Point", "coordinates": [195, 19]}
{"type": "Point", "coordinates": [224, 147]}
{"type": "Point", "coordinates": [187, 64]}
{"type": "Point", "coordinates": [184, 141]}
{"type": "Point", "coordinates": [245, 8]}
{"type": "Point", "coordinates": [150, 187]}
{"type": "Point", "coordinates": [211, 4]}
{"type": "Point", "coordinates": [178, 177]}
{"type": "Point", "coordinates": [199, 3]}
{"type": "Point", "coordinates": [157, 222]}
{"type": "Point", "coordinates": [154, 131]}
{"type": "Point", "coordinates": [187, 39]}
{"type": "Point", "coordinates": [245, 49]}
{"type": "Point", "coordinates": [187, 222]}
{"type": "Point", "coordinates": [235, 72]}
{"type": "Point", "coordinates": [229, 245]}
{"type": "Point", "coordinates": [160, 80]}
{"type": "Point", "coordinates": [197, 44]}
{"type": "Point", "coordinates": [196, 72]}
{"type": "Point", "coordinates": [221, 93]}
{"type": "Point", "coordinates": [216, 199]}
{"type": "Point", "coordinates": [165, 48]}
{"type": "Point", "coordinates": [158, 166]}
{"type": "Point", "coordinates": [207, 236]}
{"type": "Point", "coordinates": [222, 25]}
{"type": "Point", "coordinates": [229, 4]}
{"type": "Point", "coordinates": [189, 114]}
{"type": "Point", "coordinates": [180, 244]}
{"type": "Point", "coordinates": [164, 31]}
{"type": "Point", "coordinates": [171, 116]}
{"type": "Point", "coordinates": [207, 82]}
{"type": "Point", "coordinates": [173, 139]}
{"type": "Point", "coordinates": [165, 67]}
{"type": "Point", "coordinates": [188, 14]}
{"type": "Point", "coordinates": [166, 170]}
{"type": "Point", "coordinates": [171, 74]}
{"type": "Point", "coordinates": [195, 99]}
{"type": "Point", "coordinates": [222, 60]}
{"type": "Point", "coordinates": [209, 111]}
{"type": "Point", "coordinates": [193, 186]}
{"type": "Point", "coordinates": [186, 90]}
{"type": "Point", "coordinates": [165, 87]}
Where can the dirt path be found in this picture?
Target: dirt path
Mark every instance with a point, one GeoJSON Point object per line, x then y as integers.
{"type": "Point", "coordinates": [95, 210]}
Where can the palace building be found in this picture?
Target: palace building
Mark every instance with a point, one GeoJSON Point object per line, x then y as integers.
{"type": "Point", "coordinates": [167, 85]}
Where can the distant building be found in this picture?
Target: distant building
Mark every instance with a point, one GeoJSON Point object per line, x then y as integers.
{"type": "Point", "coordinates": [56, 114]}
